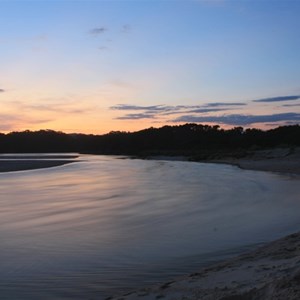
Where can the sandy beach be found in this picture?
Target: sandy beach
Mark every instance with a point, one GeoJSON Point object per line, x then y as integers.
{"type": "Point", "coordinates": [271, 272]}
{"type": "Point", "coordinates": [281, 160]}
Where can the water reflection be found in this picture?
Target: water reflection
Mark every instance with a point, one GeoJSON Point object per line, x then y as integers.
{"type": "Point", "coordinates": [101, 225]}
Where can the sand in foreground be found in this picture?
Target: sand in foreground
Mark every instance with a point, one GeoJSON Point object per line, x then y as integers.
{"type": "Point", "coordinates": [268, 273]}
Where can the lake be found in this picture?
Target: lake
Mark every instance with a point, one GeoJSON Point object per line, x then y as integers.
{"type": "Point", "coordinates": [104, 225]}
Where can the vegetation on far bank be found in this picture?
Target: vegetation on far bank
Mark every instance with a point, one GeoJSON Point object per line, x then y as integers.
{"type": "Point", "coordinates": [193, 140]}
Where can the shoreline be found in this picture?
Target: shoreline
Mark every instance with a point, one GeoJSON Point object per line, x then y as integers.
{"type": "Point", "coordinates": [279, 160]}
{"type": "Point", "coordinates": [270, 272]}
{"type": "Point", "coordinates": [277, 166]}
{"type": "Point", "coordinates": [267, 273]}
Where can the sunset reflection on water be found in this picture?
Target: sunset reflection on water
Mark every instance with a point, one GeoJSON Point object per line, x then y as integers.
{"type": "Point", "coordinates": [101, 225]}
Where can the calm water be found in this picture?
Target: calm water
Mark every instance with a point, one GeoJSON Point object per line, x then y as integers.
{"type": "Point", "coordinates": [104, 225]}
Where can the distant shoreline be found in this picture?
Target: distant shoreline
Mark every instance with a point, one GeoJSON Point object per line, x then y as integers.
{"type": "Point", "coordinates": [281, 160]}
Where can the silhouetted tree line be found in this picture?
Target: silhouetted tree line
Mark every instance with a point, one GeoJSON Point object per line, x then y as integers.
{"type": "Point", "coordinates": [188, 139]}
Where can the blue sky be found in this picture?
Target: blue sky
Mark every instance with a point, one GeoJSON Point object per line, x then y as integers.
{"type": "Point", "coordinates": [96, 66]}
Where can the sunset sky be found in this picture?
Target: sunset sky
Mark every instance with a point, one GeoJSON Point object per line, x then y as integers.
{"type": "Point", "coordinates": [96, 66]}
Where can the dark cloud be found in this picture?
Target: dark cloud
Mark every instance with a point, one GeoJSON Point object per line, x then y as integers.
{"type": "Point", "coordinates": [154, 107]}
{"type": "Point", "coordinates": [136, 116]}
{"type": "Point", "coordinates": [205, 107]}
{"type": "Point", "coordinates": [98, 30]}
{"type": "Point", "coordinates": [2, 90]}
{"type": "Point", "coordinates": [236, 119]}
{"type": "Point", "coordinates": [214, 104]}
{"type": "Point", "coordinates": [287, 123]}
{"type": "Point", "coordinates": [206, 110]}
{"type": "Point", "coordinates": [278, 99]}
{"type": "Point", "coordinates": [137, 107]}
{"type": "Point", "coordinates": [290, 105]}
{"type": "Point", "coordinates": [164, 110]}
{"type": "Point", "coordinates": [132, 107]}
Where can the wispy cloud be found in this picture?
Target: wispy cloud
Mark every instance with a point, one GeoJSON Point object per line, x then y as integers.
{"type": "Point", "coordinates": [239, 119]}
{"type": "Point", "coordinates": [156, 111]}
{"type": "Point", "coordinates": [103, 48]}
{"type": "Point", "coordinates": [2, 90]}
{"type": "Point", "coordinates": [278, 99]}
{"type": "Point", "coordinates": [126, 28]}
{"type": "Point", "coordinates": [98, 31]}
{"type": "Point", "coordinates": [160, 107]}
{"type": "Point", "coordinates": [290, 105]}
{"type": "Point", "coordinates": [207, 113]}
{"type": "Point", "coordinates": [206, 110]}
{"type": "Point", "coordinates": [137, 116]}
{"type": "Point", "coordinates": [62, 109]}
{"type": "Point", "coordinates": [137, 107]}
{"type": "Point", "coordinates": [58, 107]}
{"type": "Point", "coordinates": [215, 104]}
{"type": "Point", "coordinates": [8, 122]}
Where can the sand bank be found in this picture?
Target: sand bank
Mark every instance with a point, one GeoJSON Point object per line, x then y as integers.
{"type": "Point", "coordinates": [22, 165]}
{"type": "Point", "coordinates": [284, 160]}
{"type": "Point", "coordinates": [271, 272]}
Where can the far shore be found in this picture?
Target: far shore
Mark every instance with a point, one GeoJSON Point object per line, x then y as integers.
{"type": "Point", "coordinates": [282, 160]}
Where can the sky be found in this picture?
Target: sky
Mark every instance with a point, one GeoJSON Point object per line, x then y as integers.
{"type": "Point", "coordinates": [101, 66]}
